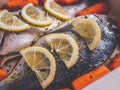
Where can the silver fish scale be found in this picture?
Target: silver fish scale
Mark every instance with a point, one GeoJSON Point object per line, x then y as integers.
{"type": "Point", "coordinates": [107, 43]}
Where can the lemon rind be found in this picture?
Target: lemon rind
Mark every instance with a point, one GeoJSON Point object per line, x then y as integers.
{"type": "Point", "coordinates": [50, 78]}
{"type": "Point", "coordinates": [55, 14]}
{"type": "Point", "coordinates": [13, 28]}
{"type": "Point", "coordinates": [32, 21]}
{"type": "Point", "coordinates": [97, 30]}
{"type": "Point", "coordinates": [73, 43]}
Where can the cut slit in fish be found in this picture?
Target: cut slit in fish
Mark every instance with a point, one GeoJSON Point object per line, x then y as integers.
{"type": "Point", "coordinates": [1, 36]}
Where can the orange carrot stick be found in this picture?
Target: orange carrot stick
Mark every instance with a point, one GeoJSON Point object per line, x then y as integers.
{"type": "Point", "coordinates": [61, 2]}
{"type": "Point", "coordinates": [115, 63]}
{"type": "Point", "coordinates": [3, 74]}
{"type": "Point", "coordinates": [90, 77]}
{"type": "Point", "coordinates": [13, 5]}
{"type": "Point", "coordinates": [99, 8]}
{"type": "Point", "coordinates": [67, 2]}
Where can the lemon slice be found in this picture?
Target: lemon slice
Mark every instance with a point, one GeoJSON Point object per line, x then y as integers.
{"type": "Point", "coordinates": [10, 22]}
{"type": "Point", "coordinates": [56, 10]}
{"type": "Point", "coordinates": [88, 30]}
{"type": "Point", "coordinates": [65, 46]}
{"type": "Point", "coordinates": [35, 15]}
{"type": "Point", "coordinates": [42, 63]}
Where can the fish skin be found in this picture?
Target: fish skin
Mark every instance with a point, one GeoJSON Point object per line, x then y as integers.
{"type": "Point", "coordinates": [22, 75]}
{"type": "Point", "coordinates": [9, 62]}
{"type": "Point", "coordinates": [108, 41]}
{"type": "Point", "coordinates": [17, 79]}
{"type": "Point", "coordinates": [1, 36]}
{"type": "Point", "coordinates": [63, 77]}
{"type": "Point", "coordinates": [90, 58]}
{"type": "Point", "coordinates": [14, 42]}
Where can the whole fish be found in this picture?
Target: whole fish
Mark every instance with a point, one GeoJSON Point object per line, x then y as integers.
{"type": "Point", "coordinates": [23, 78]}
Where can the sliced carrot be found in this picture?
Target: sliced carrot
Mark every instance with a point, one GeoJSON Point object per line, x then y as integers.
{"type": "Point", "coordinates": [114, 63]}
{"type": "Point", "coordinates": [67, 2]}
{"type": "Point", "coordinates": [3, 74]}
{"type": "Point", "coordinates": [13, 5]}
{"type": "Point", "coordinates": [90, 77]}
{"type": "Point", "coordinates": [99, 8]}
